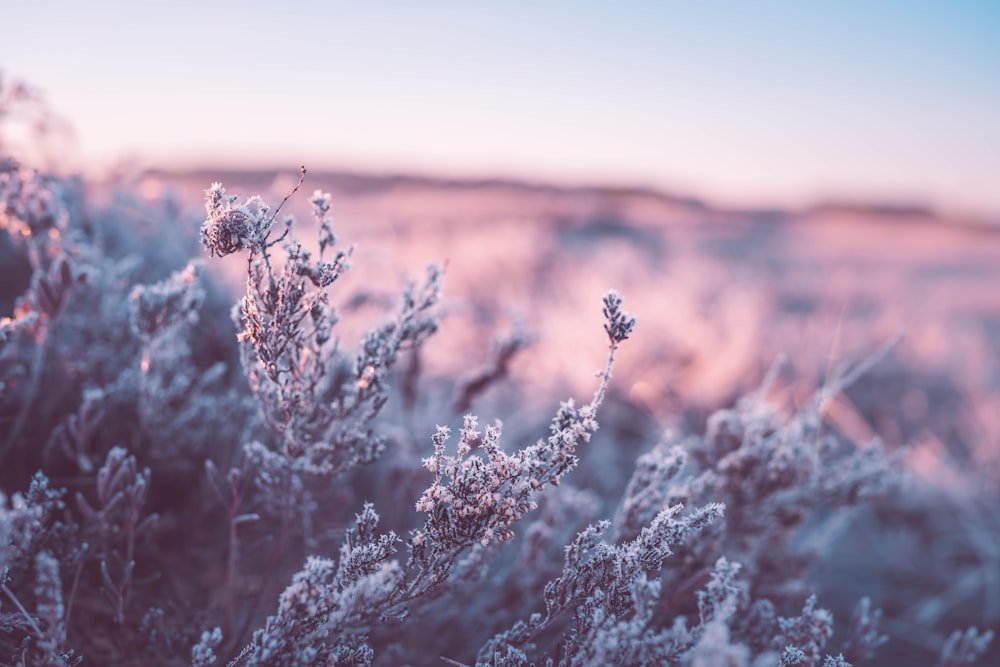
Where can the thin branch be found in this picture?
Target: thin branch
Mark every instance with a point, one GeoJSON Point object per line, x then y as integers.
{"type": "Point", "coordinates": [302, 178]}
{"type": "Point", "coordinates": [24, 612]}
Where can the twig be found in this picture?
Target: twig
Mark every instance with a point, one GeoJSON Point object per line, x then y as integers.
{"type": "Point", "coordinates": [302, 178]}
{"type": "Point", "coordinates": [24, 612]}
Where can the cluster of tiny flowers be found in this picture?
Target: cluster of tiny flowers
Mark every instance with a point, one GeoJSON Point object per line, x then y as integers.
{"type": "Point", "coordinates": [473, 498]}
{"type": "Point", "coordinates": [326, 597]}
{"type": "Point", "coordinates": [203, 653]}
{"type": "Point", "coordinates": [619, 324]}
{"type": "Point", "coordinates": [480, 499]}
{"type": "Point", "coordinates": [599, 575]}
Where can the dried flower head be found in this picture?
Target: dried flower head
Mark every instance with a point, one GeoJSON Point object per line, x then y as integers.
{"type": "Point", "coordinates": [230, 227]}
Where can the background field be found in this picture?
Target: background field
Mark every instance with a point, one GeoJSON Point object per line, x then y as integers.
{"type": "Point", "coordinates": [721, 294]}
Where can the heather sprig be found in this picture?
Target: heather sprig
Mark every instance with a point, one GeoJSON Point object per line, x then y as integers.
{"type": "Point", "coordinates": [619, 324]}
{"type": "Point", "coordinates": [163, 308]}
{"type": "Point", "coordinates": [964, 648]}
{"type": "Point", "coordinates": [117, 525]}
{"type": "Point", "coordinates": [19, 523]}
{"type": "Point", "coordinates": [50, 608]}
{"type": "Point", "coordinates": [473, 502]}
{"type": "Point", "coordinates": [30, 545]}
{"type": "Point", "coordinates": [203, 653]}
{"type": "Point", "coordinates": [864, 635]}
{"type": "Point", "coordinates": [35, 213]}
{"type": "Point", "coordinates": [479, 498]}
{"type": "Point", "coordinates": [178, 401]}
{"type": "Point", "coordinates": [324, 615]}
{"type": "Point", "coordinates": [310, 392]}
{"type": "Point", "coordinates": [603, 582]}
{"type": "Point", "coordinates": [775, 475]}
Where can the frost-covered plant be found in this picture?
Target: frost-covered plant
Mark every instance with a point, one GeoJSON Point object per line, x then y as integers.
{"type": "Point", "coordinates": [601, 584]}
{"type": "Point", "coordinates": [214, 472]}
{"type": "Point", "coordinates": [775, 474]}
{"type": "Point", "coordinates": [177, 400]}
{"type": "Point", "coordinates": [30, 550]}
{"type": "Point", "coordinates": [319, 400]}
{"type": "Point", "coordinates": [964, 648]}
{"type": "Point", "coordinates": [74, 396]}
{"type": "Point", "coordinates": [117, 525]}
{"type": "Point", "coordinates": [327, 613]}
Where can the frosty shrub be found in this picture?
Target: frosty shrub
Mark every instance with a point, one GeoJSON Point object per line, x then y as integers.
{"type": "Point", "coordinates": [188, 481]}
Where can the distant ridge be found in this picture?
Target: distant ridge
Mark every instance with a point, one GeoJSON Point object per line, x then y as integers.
{"type": "Point", "coordinates": [349, 181]}
{"type": "Point", "coordinates": [357, 182]}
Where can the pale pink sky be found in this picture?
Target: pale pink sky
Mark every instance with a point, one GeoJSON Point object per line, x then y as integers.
{"type": "Point", "coordinates": [769, 103]}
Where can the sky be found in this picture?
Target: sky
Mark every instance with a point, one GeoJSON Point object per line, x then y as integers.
{"type": "Point", "coordinates": [750, 103]}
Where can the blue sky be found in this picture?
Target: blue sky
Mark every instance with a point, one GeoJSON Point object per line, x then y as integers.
{"type": "Point", "coordinates": [748, 103]}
